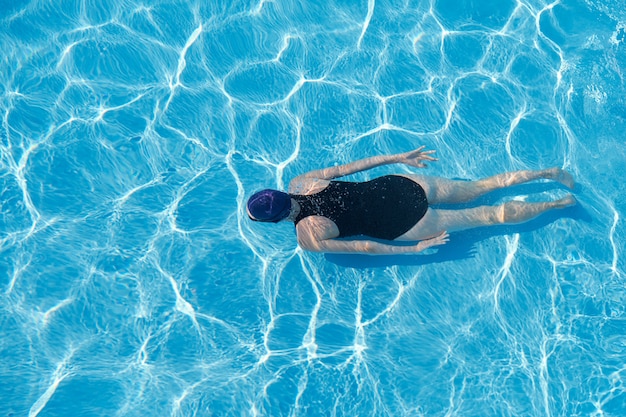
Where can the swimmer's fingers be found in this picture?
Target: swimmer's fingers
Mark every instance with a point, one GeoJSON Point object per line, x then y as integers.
{"type": "Point", "coordinates": [415, 158]}
{"type": "Point", "coordinates": [438, 240]}
{"type": "Point", "coordinates": [442, 239]}
{"type": "Point", "coordinates": [421, 154]}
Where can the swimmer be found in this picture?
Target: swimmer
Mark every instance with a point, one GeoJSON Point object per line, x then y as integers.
{"type": "Point", "coordinates": [393, 207]}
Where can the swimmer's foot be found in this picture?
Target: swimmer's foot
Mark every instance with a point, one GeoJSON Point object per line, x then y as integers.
{"type": "Point", "coordinates": [562, 176]}
{"type": "Point", "coordinates": [567, 201]}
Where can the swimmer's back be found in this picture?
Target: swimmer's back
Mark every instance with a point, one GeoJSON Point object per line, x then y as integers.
{"type": "Point", "coordinates": [383, 208]}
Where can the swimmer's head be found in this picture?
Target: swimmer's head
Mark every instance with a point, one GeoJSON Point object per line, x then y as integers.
{"type": "Point", "coordinates": [269, 206]}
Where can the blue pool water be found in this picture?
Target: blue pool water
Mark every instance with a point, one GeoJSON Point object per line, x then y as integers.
{"type": "Point", "coordinates": [133, 284]}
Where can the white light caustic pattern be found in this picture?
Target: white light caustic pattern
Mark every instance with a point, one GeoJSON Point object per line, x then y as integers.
{"type": "Point", "coordinates": [132, 282]}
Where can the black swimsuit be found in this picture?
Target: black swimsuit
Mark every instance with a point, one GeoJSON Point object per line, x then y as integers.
{"type": "Point", "coordinates": [384, 208]}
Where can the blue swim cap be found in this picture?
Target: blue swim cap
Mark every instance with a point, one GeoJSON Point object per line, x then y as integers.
{"type": "Point", "coordinates": [269, 206]}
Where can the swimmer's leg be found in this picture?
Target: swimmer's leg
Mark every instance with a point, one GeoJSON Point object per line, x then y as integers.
{"type": "Point", "coordinates": [445, 191]}
{"type": "Point", "coordinates": [513, 212]}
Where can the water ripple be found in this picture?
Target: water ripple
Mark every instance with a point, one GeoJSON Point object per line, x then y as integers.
{"type": "Point", "coordinates": [133, 283]}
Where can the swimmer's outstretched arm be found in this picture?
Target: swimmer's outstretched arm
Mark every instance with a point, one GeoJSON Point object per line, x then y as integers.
{"type": "Point", "coordinates": [369, 247]}
{"type": "Point", "coordinates": [413, 158]}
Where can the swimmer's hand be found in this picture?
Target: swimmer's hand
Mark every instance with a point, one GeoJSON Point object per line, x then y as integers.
{"type": "Point", "coordinates": [441, 239]}
{"type": "Point", "coordinates": [414, 158]}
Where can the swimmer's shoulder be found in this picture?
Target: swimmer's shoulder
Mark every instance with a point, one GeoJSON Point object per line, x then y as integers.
{"type": "Point", "coordinates": [304, 185]}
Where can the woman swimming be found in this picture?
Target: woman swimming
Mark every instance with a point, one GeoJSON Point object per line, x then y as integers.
{"type": "Point", "coordinates": [393, 207]}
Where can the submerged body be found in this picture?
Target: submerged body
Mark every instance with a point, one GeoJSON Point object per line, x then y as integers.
{"type": "Point", "coordinates": [393, 207]}
{"type": "Point", "coordinates": [384, 208]}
